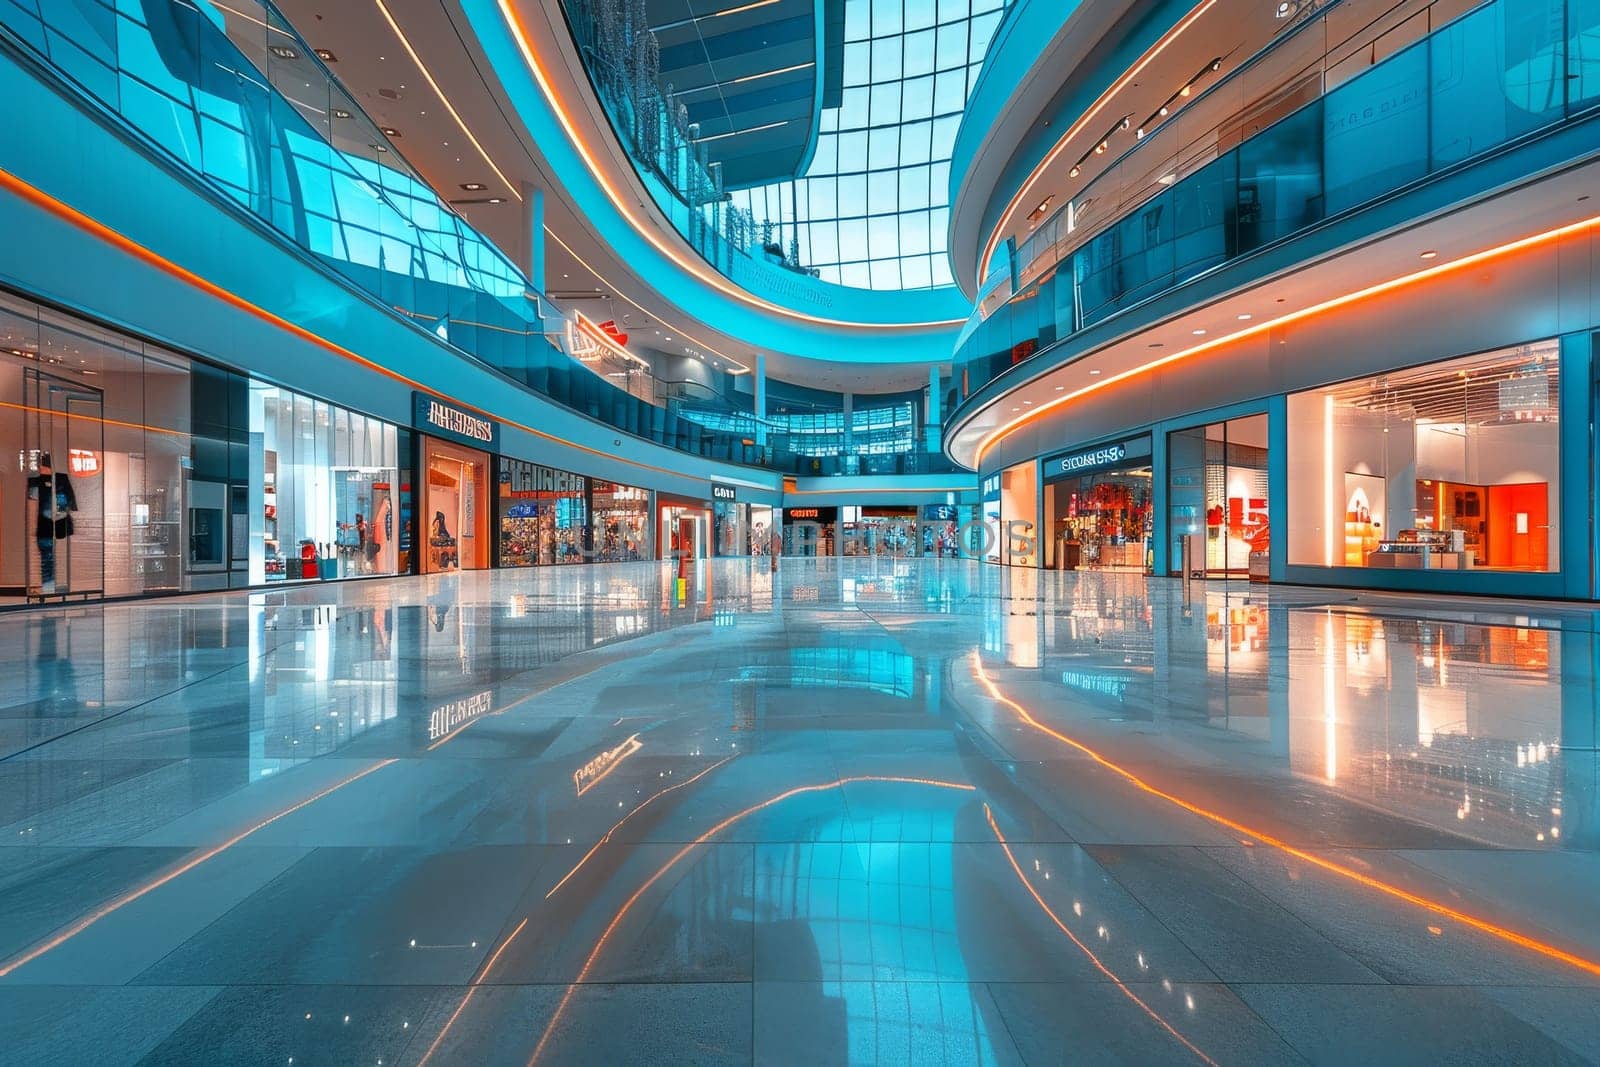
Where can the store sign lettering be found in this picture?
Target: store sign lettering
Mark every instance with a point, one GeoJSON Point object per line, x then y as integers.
{"type": "Point", "coordinates": [802, 513]}
{"type": "Point", "coordinates": [991, 486]}
{"type": "Point", "coordinates": [446, 719]}
{"type": "Point", "coordinates": [525, 477]}
{"type": "Point", "coordinates": [1098, 457]}
{"type": "Point", "coordinates": [453, 422]}
{"type": "Point", "coordinates": [724, 491]}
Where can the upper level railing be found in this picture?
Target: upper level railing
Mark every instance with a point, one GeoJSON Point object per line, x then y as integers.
{"type": "Point", "coordinates": [236, 97]}
{"type": "Point", "coordinates": [1499, 73]}
{"type": "Point", "coordinates": [619, 52]}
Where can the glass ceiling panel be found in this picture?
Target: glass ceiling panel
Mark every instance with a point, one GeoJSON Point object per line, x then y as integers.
{"type": "Point", "coordinates": [873, 208]}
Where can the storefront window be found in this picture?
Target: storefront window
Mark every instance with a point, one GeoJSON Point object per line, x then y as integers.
{"type": "Point", "coordinates": [327, 490]}
{"type": "Point", "coordinates": [880, 531]}
{"type": "Point", "coordinates": [1098, 507]}
{"type": "Point", "coordinates": [1217, 489]}
{"type": "Point", "coordinates": [541, 515]}
{"type": "Point", "coordinates": [621, 527]}
{"type": "Point", "coordinates": [1451, 466]}
{"type": "Point", "coordinates": [729, 520]}
{"type": "Point", "coordinates": [113, 415]}
{"type": "Point", "coordinates": [810, 531]}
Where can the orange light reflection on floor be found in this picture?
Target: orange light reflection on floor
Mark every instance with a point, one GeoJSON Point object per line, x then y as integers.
{"type": "Point", "coordinates": [1101, 967]}
{"type": "Point", "coordinates": [188, 865]}
{"type": "Point", "coordinates": [1349, 874]}
{"type": "Point", "coordinates": [622, 912]}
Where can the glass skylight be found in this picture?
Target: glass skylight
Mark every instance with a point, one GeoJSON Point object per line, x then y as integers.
{"type": "Point", "coordinates": [873, 208]}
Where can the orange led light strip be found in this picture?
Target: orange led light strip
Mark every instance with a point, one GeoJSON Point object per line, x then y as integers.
{"type": "Point", "coordinates": [127, 245]}
{"type": "Point", "coordinates": [618, 824]}
{"type": "Point", "coordinates": [1004, 430]}
{"type": "Point", "coordinates": [462, 125]}
{"type": "Point", "coordinates": [184, 868]}
{"type": "Point", "coordinates": [1077, 127]}
{"type": "Point", "coordinates": [699, 270]}
{"type": "Point", "coordinates": [616, 920]}
{"type": "Point", "coordinates": [1338, 869]}
{"type": "Point", "coordinates": [1005, 847]}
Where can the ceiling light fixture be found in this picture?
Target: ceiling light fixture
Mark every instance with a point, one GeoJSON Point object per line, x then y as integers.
{"type": "Point", "coordinates": [1130, 76]}
{"type": "Point", "coordinates": [283, 51]}
{"type": "Point", "coordinates": [326, 56]}
{"type": "Point", "coordinates": [1430, 254]}
{"type": "Point", "coordinates": [474, 187]}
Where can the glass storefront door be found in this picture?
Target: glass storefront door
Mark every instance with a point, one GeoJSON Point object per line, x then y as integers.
{"type": "Point", "coordinates": [456, 512]}
{"type": "Point", "coordinates": [1217, 486]}
{"type": "Point", "coordinates": [64, 426]}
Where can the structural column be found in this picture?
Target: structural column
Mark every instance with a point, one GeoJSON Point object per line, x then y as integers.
{"type": "Point", "coordinates": [533, 215]}
{"type": "Point", "coordinates": [761, 398]}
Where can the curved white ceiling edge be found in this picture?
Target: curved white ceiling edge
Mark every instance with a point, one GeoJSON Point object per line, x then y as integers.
{"type": "Point", "coordinates": [714, 300]}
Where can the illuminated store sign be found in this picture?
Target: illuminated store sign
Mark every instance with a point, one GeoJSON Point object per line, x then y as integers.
{"type": "Point", "coordinates": [991, 487]}
{"type": "Point", "coordinates": [446, 719]}
{"type": "Point", "coordinates": [452, 422]}
{"type": "Point", "coordinates": [527, 478]}
{"type": "Point", "coordinates": [724, 491]}
{"type": "Point", "coordinates": [1083, 460]}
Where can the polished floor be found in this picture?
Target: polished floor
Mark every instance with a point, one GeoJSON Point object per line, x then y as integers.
{"type": "Point", "coordinates": [866, 811]}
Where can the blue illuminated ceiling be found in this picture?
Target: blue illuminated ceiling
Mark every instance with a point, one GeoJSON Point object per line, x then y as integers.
{"type": "Point", "coordinates": [746, 71]}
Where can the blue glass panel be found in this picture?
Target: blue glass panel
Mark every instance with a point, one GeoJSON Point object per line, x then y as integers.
{"type": "Point", "coordinates": [1497, 74]}
{"type": "Point", "coordinates": [1375, 130]}
{"type": "Point", "coordinates": [1280, 179]}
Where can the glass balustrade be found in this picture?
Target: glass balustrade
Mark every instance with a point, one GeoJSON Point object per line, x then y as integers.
{"type": "Point", "coordinates": [1507, 69]}
{"type": "Point", "coordinates": [236, 97]}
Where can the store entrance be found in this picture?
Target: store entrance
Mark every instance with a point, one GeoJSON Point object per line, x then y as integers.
{"type": "Point", "coordinates": [457, 507]}
{"type": "Point", "coordinates": [1102, 521]}
{"type": "Point", "coordinates": [64, 421]}
{"type": "Point", "coordinates": [685, 532]}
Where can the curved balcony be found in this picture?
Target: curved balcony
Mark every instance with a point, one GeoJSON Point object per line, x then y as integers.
{"type": "Point", "coordinates": [238, 101]}
{"type": "Point", "coordinates": [1166, 214]}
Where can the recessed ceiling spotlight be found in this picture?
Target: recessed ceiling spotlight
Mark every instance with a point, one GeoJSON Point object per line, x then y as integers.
{"type": "Point", "coordinates": [1244, 316]}
{"type": "Point", "coordinates": [474, 187]}
{"type": "Point", "coordinates": [326, 56]}
{"type": "Point", "coordinates": [1430, 254]}
{"type": "Point", "coordinates": [340, 113]}
{"type": "Point", "coordinates": [388, 131]}
{"type": "Point", "coordinates": [1199, 333]}
{"type": "Point", "coordinates": [283, 51]}
{"type": "Point", "coordinates": [501, 200]}
{"type": "Point", "coordinates": [1016, 408]}
{"type": "Point", "coordinates": [1027, 403]}
{"type": "Point", "coordinates": [1165, 110]}
{"type": "Point", "coordinates": [1074, 172]}
{"type": "Point", "coordinates": [1095, 371]}
{"type": "Point", "coordinates": [1059, 388]}
{"type": "Point", "coordinates": [1186, 90]}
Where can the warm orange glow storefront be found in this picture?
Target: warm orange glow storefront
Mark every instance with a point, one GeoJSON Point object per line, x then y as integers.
{"type": "Point", "coordinates": [455, 505]}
